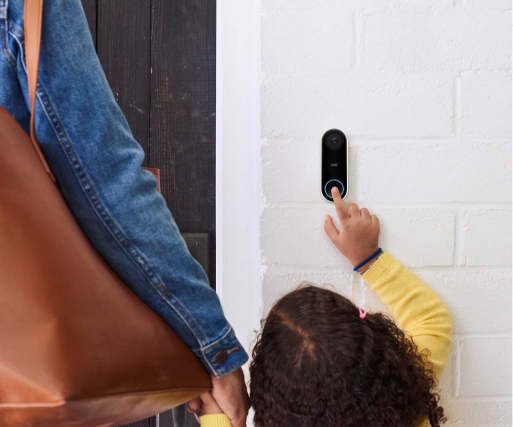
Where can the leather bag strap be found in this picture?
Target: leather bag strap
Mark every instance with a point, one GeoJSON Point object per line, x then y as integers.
{"type": "Point", "coordinates": [33, 22]}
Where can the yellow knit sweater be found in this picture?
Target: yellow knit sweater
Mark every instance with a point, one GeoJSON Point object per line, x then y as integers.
{"type": "Point", "coordinates": [417, 308]}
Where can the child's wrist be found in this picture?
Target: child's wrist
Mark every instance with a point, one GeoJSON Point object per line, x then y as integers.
{"type": "Point", "coordinates": [356, 259]}
{"type": "Point", "coordinates": [364, 261]}
{"type": "Point", "coordinates": [366, 266]}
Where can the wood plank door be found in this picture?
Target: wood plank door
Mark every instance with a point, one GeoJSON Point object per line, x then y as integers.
{"type": "Point", "coordinates": [159, 59]}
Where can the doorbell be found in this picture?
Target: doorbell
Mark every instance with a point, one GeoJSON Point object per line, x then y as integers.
{"type": "Point", "coordinates": [334, 163]}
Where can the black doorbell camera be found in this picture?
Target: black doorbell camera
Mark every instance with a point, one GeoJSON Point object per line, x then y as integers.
{"type": "Point", "coordinates": [334, 163]}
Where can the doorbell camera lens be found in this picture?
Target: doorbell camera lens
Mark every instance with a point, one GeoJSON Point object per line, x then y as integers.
{"type": "Point", "coordinates": [334, 141]}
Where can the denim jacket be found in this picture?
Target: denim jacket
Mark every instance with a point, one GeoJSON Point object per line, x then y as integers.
{"type": "Point", "coordinates": [90, 148]}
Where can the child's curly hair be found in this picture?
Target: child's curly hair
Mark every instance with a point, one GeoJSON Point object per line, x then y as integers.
{"type": "Point", "coordinates": [316, 363]}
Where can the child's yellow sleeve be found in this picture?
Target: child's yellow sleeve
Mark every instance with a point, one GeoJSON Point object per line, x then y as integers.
{"type": "Point", "coordinates": [215, 420]}
{"type": "Point", "coordinates": [417, 308]}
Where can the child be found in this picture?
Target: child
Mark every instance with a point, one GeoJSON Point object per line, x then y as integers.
{"type": "Point", "coordinates": [320, 361]}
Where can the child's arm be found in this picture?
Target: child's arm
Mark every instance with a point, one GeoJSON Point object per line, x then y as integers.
{"type": "Point", "coordinates": [413, 303]}
{"type": "Point", "coordinates": [417, 308]}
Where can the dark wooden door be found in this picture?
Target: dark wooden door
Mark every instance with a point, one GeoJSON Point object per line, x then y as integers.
{"type": "Point", "coordinates": [159, 58]}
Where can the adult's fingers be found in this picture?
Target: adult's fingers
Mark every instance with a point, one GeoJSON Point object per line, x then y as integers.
{"type": "Point", "coordinates": [339, 204]}
{"type": "Point", "coordinates": [330, 228]}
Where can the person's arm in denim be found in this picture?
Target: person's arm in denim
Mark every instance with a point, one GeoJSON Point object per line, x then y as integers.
{"type": "Point", "coordinates": [90, 148]}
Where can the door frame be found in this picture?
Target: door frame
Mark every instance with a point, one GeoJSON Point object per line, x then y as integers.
{"type": "Point", "coordinates": [239, 199]}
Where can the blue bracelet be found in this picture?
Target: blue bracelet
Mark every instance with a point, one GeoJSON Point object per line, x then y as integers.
{"type": "Point", "coordinates": [368, 259]}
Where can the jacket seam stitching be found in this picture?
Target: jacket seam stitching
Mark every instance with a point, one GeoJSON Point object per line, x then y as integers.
{"type": "Point", "coordinates": [16, 27]}
{"type": "Point", "coordinates": [201, 352]}
{"type": "Point", "coordinates": [204, 349]}
{"type": "Point", "coordinates": [9, 57]}
{"type": "Point", "coordinates": [7, 48]}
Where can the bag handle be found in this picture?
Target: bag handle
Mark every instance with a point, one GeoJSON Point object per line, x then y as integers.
{"type": "Point", "coordinates": [33, 22]}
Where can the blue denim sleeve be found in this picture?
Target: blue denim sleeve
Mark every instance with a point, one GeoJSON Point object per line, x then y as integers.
{"type": "Point", "coordinates": [97, 163]}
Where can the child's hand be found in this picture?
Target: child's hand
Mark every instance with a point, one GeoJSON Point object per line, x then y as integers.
{"type": "Point", "coordinates": [359, 231]}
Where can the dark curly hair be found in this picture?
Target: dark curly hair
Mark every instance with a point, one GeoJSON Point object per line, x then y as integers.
{"type": "Point", "coordinates": [316, 363]}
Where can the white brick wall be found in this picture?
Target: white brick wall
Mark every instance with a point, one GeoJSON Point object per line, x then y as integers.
{"type": "Point", "coordinates": [422, 88]}
{"type": "Point", "coordinates": [485, 97]}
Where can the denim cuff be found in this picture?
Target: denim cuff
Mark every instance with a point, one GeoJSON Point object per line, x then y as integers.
{"type": "Point", "coordinates": [224, 355]}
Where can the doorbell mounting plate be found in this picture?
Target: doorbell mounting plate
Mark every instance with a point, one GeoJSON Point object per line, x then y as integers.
{"type": "Point", "coordinates": [334, 170]}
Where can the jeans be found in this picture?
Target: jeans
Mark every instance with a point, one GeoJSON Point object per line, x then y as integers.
{"type": "Point", "coordinates": [92, 153]}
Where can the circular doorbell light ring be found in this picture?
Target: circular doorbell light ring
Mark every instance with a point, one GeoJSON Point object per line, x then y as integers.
{"type": "Point", "coordinates": [326, 188]}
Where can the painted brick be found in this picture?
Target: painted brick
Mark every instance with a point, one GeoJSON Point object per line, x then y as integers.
{"type": "Point", "coordinates": [484, 366]}
{"type": "Point", "coordinates": [292, 171]}
{"type": "Point", "coordinates": [478, 414]}
{"type": "Point", "coordinates": [487, 237]}
{"type": "Point", "coordinates": [486, 105]}
{"type": "Point", "coordinates": [437, 41]}
{"type": "Point", "coordinates": [277, 284]}
{"type": "Point", "coordinates": [423, 91]}
{"type": "Point", "coordinates": [308, 42]}
{"type": "Point", "coordinates": [437, 172]}
{"type": "Point", "coordinates": [364, 5]}
{"type": "Point", "coordinates": [491, 312]}
{"type": "Point", "coordinates": [489, 4]}
{"type": "Point", "coordinates": [295, 236]}
{"type": "Point", "coordinates": [375, 104]}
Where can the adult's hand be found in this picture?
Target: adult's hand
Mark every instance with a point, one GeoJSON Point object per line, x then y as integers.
{"type": "Point", "coordinates": [230, 394]}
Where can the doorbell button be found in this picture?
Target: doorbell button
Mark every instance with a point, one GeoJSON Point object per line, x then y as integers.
{"type": "Point", "coordinates": [333, 183]}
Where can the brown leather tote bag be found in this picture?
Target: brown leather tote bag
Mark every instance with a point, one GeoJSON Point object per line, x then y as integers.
{"type": "Point", "coordinates": [77, 346]}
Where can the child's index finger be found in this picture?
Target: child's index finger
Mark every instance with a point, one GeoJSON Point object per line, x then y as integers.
{"type": "Point", "coordinates": [339, 204]}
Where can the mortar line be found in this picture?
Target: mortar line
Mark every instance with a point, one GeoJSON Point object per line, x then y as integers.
{"type": "Point", "coordinates": [457, 107]}
{"type": "Point", "coordinates": [360, 141]}
{"type": "Point", "coordinates": [483, 334]}
{"type": "Point", "coordinates": [279, 204]}
{"type": "Point", "coordinates": [357, 29]}
{"type": "Point", "coordinates": [279, 268]}
{"type": "Point", "coordinates": [458, 238]}
{"type": "Point", "coordinates": [480, 399]}
{"type": "Point", "coordinates": [457, 367]}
